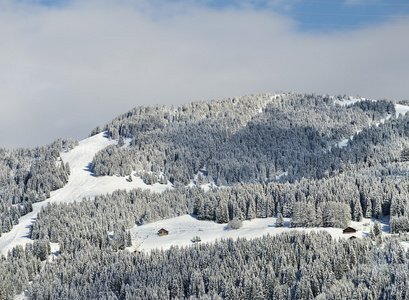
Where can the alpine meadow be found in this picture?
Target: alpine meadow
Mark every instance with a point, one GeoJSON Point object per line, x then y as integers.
{"type": "Point", "coordinates": [267, 196]}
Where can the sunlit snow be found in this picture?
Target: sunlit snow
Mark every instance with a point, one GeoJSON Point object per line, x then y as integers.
{"type": "Point", "coordinates": [184, 228]}
{"type": "Point", "coordinates": [82, 183]}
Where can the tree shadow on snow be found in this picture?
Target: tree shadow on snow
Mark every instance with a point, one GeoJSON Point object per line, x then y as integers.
{"type": "Point", "coordinates": [88, 168]}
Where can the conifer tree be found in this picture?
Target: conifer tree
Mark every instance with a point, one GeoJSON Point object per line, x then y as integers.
{"type": "Point", "coordinates": [280, 220]}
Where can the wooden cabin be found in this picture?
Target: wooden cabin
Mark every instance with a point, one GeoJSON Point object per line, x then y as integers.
{"type": "Point", "coordinates": [352, 238]}
{"type": "Point", "coordinates": [349, 230]}
{"type": "Point", "coordinates": [162, 232]}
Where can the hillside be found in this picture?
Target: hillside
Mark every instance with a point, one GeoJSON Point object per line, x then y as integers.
{"type": "Point", "coordinates": [291, 169]}
{"type": "Point", "coordinates": [82, 184]}
{"type": "Point", "coordinates": [244, 139]}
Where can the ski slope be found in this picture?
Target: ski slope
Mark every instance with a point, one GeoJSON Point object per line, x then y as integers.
{"type": "Point", "coordinates": [82, 183]}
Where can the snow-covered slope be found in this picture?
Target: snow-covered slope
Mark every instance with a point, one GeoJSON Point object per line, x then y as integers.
{"type": "Point", "coordinates": [82, 183]}
{"type": "Point", "coordinates": [184, 228]}
{"type": "Point", "coordinates": [401, 109]}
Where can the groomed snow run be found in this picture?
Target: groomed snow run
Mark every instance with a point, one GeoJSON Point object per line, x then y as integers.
{"type": "Point", "coordinates": [82, 183]}
{"type": "Point", "coordinates": [184, 228]}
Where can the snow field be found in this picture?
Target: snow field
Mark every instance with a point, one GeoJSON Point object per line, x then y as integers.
{"type": "Point", "coordinates": [182, 230]}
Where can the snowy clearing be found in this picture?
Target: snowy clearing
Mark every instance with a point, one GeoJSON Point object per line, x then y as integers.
{"type": "Point", "coordinates": [401, 109]}
{"type": "Point", "coordinates": [184, 228]}
{"type": "Point", "coordinates": [343, 143]}
{"type": "Point", "coordinates": [82, 183]}
{"type": "Point", "coordinates": [349, 101]}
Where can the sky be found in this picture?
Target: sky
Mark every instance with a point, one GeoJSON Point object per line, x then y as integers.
{"type": "Point", "coordinates": [67, 66]}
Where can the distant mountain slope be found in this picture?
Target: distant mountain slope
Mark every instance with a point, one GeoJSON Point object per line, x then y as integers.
{"type": "Point", "coordinates": [244, 139]}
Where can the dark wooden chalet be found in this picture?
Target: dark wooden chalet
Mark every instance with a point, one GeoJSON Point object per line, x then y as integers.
{"type": "Point", "coordinates": [162, 232]}
{"type": "Point", "coordinates": [349, 230]}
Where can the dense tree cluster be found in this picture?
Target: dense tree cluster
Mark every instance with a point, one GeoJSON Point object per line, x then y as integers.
{"type": "Point", "coordinates": [294, 139]}
{"type": "Point", "coordinates": [331, 202]}
{"type": "Point", "coordinates": [91, 220]}
{"type": "Point", "coordinates": [28, 176]}
{"type": "Point", "coordinates": [174, 142]}
{"type": "Point", "coordinates": [403, 102]}
{"type": "Point", "coordinates": [21, 267]}
{"type": "Point", "coordinates": [245, 139]}
{"type": "Point", "coordinates": [371, 192]}
{"type": "Point", "coordinates": [288, 266]}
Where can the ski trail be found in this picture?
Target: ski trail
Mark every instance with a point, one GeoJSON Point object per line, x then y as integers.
{"type": "Point", "coordinates": [82, 183]}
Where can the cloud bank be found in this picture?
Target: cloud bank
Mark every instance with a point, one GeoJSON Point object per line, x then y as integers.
{"type": "Point", "coordinates": [66, 69]}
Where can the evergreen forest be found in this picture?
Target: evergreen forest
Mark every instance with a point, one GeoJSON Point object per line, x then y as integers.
{"type": "Point", "coordinates": [322, 161]}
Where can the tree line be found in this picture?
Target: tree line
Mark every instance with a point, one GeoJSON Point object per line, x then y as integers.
{"type": "Point", "coordinates": [288, 266]}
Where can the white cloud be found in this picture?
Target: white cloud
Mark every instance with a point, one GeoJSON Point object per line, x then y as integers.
{"type": "Point", "coordinates": [65, 70]}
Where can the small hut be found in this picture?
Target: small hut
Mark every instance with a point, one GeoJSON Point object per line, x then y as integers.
{"type": "Point", "coordinates": [349, 230]}
{"type": "Point", "coordinates": [162, 232]}
{"type": "Point", "coordinates": [352, 238]}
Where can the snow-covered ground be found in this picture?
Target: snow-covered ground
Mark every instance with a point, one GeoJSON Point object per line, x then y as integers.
{"type": "Point", "coordinates": [82, 183]}
{"type": "Point", "coordinates": [184, 228]}
{"type": "Point", "coordinates": [401, 109]}
{"type": "Point", "coordinates": [205, 186]}
{"type": "Point", "coordinates": [349, 101]}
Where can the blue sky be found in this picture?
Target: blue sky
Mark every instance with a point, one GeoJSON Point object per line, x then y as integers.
{"type": "Point", "coordinates": [311, 16]}
{"type": "Point", "coordinates": [341, 15]}
{"type": "Point", "coordinates": [70, 65]}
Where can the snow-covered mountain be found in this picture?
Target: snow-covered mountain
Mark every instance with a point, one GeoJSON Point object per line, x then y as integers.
{"type": "Point", "coordinates": [285, 166]}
